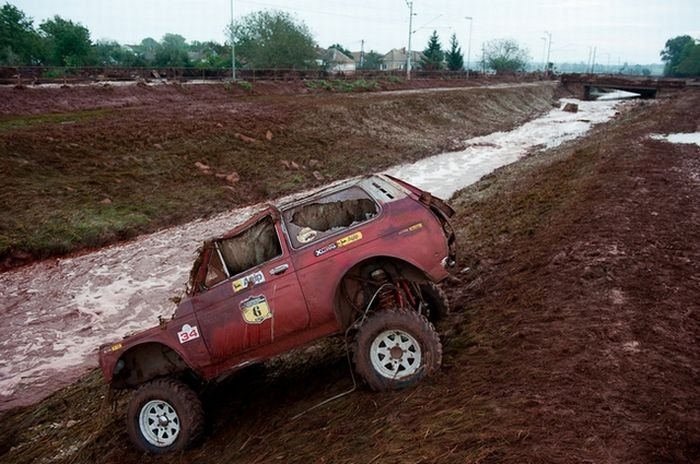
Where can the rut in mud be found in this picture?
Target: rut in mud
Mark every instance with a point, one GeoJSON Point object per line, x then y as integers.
{"type": "Point", "coordinates": [574, 336]}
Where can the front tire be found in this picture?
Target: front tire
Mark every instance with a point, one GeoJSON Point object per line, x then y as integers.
{"type": "Point", "coordinates": [164, 415]}
{"type": "Point", "coordinates": [396, 349]}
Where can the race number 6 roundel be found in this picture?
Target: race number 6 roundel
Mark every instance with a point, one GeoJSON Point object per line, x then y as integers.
{"type": "Point", "coordinates": [255, 310]}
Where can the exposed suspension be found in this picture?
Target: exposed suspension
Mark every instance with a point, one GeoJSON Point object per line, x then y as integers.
{"type": "Point", "coordinates": [388, 295]}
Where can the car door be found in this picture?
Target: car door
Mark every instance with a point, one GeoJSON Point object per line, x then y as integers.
{"type": "Point", "coordinates": [259, 301]}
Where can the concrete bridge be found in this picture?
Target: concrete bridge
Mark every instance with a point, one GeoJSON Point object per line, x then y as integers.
{"type": "Point", "coordinates": [591, 86]}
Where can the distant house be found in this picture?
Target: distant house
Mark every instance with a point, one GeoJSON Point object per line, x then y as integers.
{"type": "Point", "coordinates": [335, 61]}
{"type": "Point", "coordinates": [196, 57]}
{"type": "Point", "coordinates": [396, 59]}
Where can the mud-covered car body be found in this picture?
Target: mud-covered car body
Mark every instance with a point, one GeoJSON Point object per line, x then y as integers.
{"type": "Point", "coordinates": [291, 274]}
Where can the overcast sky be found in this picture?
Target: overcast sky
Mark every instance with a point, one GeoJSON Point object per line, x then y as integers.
{"type": "Point", "coordinates": [631, 31]}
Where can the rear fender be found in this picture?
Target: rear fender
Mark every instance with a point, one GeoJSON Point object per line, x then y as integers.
{"type": "Point", "coordinates": [348, 301]}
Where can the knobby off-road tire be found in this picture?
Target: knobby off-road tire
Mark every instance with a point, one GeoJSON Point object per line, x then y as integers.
{"type": "Point", "coordinates": [396, 349]}
{"type": "Point", "coordinates": [436, 299]}
{"type": "Point", "coordinates": [164, 415]}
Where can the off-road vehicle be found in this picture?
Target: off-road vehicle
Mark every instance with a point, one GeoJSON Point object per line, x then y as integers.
{"type": "Point", "coordinates": [360, 258]}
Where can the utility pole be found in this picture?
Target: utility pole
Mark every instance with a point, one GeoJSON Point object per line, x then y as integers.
{"type": "Point", "coordinates": [544, 53]}
{"type": "Point", "coordinates": [410, 33]}
{"type": "Point", "coordinates": [362, 54]}
{"type": "Point", "coordinates": [469, 47]}
{"type": "Point", "coordinates": [483, 59]}
{"type": "Point", "coordinates": [549, 49]}
{"type": "Point", "coordinates": [233, 48]}
{"type": "Point", "coordinates": [595, 49]}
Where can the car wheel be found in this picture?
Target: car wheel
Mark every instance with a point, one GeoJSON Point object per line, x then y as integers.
{"type": "Point", "coordinates": [396, 349]}
{"type": "Point", "coordinates": [436, 300]}
{"type": "Point", "coordinates": [164, 415]}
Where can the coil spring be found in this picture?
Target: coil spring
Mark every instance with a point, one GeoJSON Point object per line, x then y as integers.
{"type": "Point", "coordinates": [386, 295]}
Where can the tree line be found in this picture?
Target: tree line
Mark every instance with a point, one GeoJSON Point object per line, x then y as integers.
{"type": "Point", "coordinates": [263, 40]}
{"type": "Point", "coordinates": [62, 42]}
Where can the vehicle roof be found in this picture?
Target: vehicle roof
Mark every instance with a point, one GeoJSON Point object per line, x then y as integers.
{"type": "Point", "coordinates": [294, 200]}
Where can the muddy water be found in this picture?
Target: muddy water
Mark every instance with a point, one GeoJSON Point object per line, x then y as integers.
{"type": "Point", "coordinates": [55, 313]}
{"type": "Point", "coordinates": [444, 174]}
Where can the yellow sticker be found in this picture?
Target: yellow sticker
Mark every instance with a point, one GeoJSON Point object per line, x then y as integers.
{"type": "Point", "coordinates": [412, 228]}
{"type": "Point", "coordinates": [240, 284]}
{"type": "Point", "coordinates": [349, 239]}
{"type": "Point", "coordinates": [255, 310]}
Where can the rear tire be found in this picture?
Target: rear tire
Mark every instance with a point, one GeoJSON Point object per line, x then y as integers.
{"type": "Point", "coordinates": [164, 415]}
{"type": "Point", "coordinates": [396, 349]}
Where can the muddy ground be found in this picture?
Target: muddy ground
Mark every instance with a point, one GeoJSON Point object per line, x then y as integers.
{"type": "Point", "coordinates": [88, 166]}
{"type": "Point", "coordinates": [574, 338]}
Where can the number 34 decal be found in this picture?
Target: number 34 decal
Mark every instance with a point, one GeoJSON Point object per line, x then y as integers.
{"type": "Point", "coordinates": [187, 333]}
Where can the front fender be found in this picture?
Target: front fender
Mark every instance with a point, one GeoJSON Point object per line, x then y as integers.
{"type": "Point", "coordinates": [179, 336]}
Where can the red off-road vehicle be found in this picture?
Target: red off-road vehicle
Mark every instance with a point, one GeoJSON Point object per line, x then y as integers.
{"type": "Point", "coordinates": [360, 258]}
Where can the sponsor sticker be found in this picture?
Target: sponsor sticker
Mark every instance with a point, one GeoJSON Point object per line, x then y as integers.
{"type": "Point", "coordinates": [187, 333]}
{"type": "Point", "coordinates": [412, 228]}
{"type": "Point", "coordinates": [345, 241]}
{"type": "Point", "coordinates": [255, 310]}
{"type": "Point", "coordinates": [112, 348]}
{"type": "Point", "coordinates": [322, 251]}
{"type": "Point", "coordinates": [251, 280]}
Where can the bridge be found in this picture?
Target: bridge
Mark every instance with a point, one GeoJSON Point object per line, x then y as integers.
{"type": "Point", "coordinates": [591, 86]}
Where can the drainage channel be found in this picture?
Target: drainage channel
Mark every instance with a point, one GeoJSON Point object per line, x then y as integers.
{"type": "Point", "coordinates": [56, 312]}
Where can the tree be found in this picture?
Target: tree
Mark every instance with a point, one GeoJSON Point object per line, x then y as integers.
{"type": "Point", "coordinates": [505, 56]}
{"type": "Point", "coordinates": [454, 57]}
{"type": "Point", "coordinates": [372, 60]}
{"type": "Point", "coordinates": [675, 51]}
{"type": "Point", "coordinates": [273, 40]}
{"type": "Point", "coordinates": [433, 56]}
{"type": "Point", "coordinates": [67, 43]}
{"type": "Point", "coordinates": [682, 57]}
{"type": "Point", "coordinates": [690, 64]}
{"type": "Point", "coordinates": [19, 42]}
{"type": "Point", "coordinates": [147, 49]}
{"type": "Point", "coordinates": [172, 52]}
{"type": "Point", "coordinates": [342, 50]}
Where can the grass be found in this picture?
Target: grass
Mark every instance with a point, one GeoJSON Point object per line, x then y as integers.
{"type": "Point", "coordinates": [339, 85]}
{"type": "Point", "coordinates": [92, 177]}
{"type": "Point", "coordinates": [21, 122]}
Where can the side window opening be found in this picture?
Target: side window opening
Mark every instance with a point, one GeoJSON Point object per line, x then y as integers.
{"type": "Point", "coordinates": [252, 247]}
{"type": "Point", "coordinates": [325, 216]}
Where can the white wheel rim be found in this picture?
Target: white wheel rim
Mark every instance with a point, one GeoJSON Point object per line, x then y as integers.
{"type": "Point", "coordinates": [159, 423]}
{"type": "Point", "coordinates": [395, 354]}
